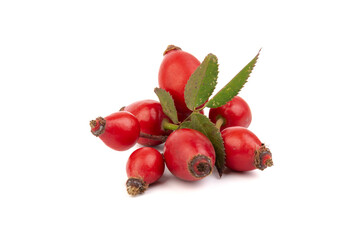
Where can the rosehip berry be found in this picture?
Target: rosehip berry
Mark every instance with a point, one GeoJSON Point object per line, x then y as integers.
{"type": "Point", "coordinates": [189, 155]}
{"type": "Point", "coordinates": [145, 166]}
{"type": "Point", "coordinates": [151, 118]}
{"type": "Point", "coordinates": [244, 151]}
{"type": "Point", "coordinates": [175, 70]}
{"type": "Point", "coordinates": [183, 116]}
{"type": "Point", "coordinates": [119, 131]}
{"type": "Point", "coordinates": [234, 113]}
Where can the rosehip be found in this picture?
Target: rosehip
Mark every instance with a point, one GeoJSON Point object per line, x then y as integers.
{"type": "Point", "coordinates": [175, 70]}
{"type": "Point", "coordinates": [234, 113]}
{"type": "Point", "coordinates": [189, 155]}
{"type": "Point", "coordinates": [244, 151]}
{"type": "Point", "coordinates": [183, 116]}
{"type": "Point", "coordinates": [151, 118]}
{"type": "Point", "coordinates": [145, 166]}
{"type": "Point", "coordinates": [119, 131]}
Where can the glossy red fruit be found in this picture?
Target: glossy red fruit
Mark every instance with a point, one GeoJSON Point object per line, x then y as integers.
{"type": "Point", "coordinates": [244, 151]}
{"type": "Point", "coordinates": [234, 113]}
{"type": "Point", "coordinates": [151, 118]}
{"type": "Point", "coordinates": [189, 155]}
{"type": "Point", "coordinates": [175, 70]}
{"type": "Point", "coordinates": [145, 166]}
{"type": "Point", "coordinates": [119, 131]}
{"type": "Point", "coordinates": [183, 116]}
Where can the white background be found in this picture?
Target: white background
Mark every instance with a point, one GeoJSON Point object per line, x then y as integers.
{"type": "Point", "coordinates": [63, 63]}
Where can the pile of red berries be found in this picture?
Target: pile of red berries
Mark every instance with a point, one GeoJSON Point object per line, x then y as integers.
{"type": "Point", "coordinates": [194, 144]}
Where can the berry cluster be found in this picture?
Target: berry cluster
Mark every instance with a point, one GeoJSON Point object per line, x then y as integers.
{"type": "Point", "coordinates": [194, 144]}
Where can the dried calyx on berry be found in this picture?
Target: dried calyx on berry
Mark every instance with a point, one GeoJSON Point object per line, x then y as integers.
{"type": "Point", "coordinates": [263, 158]}
{"type": "Point", "coordinates": [98, 126]}
{"type": "Point", "coordinates": [200, 166]}
{"type": "Point", "coordinates": [135, 186]}
{"type": "Point", "coordinates": [171, 48]}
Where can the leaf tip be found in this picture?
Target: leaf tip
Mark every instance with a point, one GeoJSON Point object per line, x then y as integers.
{"type": "Point", "coordinates": [257, 55]}
{"type": "Point", "coordinates": [220, 171]}
{"type": "Point", "coordinates": [212, 55]}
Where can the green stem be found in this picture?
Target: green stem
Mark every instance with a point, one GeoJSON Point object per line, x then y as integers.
{"type": "Point", "coordinates": [169, 126]}
{"type": "Point", "coordinates": [219, 122]}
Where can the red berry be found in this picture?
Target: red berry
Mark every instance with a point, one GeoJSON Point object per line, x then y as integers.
{"type": "Point", "coordinates": [234, 113]}
{"type": "Point", "coordinates": [119, 131]}
{"type": "Point", "coordinates": [244, 151]}
{"type": "Point", "coordinates": [151, 118]}
{"type": "Point", "coordinates": [189, 155]}
{"type": "Point", "coordinates": [183, 116]}
{"type": "Point", "coordinates": [145, 166]}
{"type": "Point", "coordinates": [175, 70]}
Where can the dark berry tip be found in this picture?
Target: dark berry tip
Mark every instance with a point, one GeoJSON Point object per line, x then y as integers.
{"type": "Point", "coordinates": [263, 158]}
{"type": "Point", "coordinates": [200, 166]}
{"type": "Point", "coordinates": [171, 48]}
{"type": "Point", "coordinates": [98, 126]}
{"type": "Point", "coordinates": [269, 162]}
{"type": "Point", "coordinates": [135, 186]}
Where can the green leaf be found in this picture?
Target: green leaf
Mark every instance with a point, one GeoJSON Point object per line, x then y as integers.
{"type": "Point", "coordinates": [202, 82]}
{"type": "Point", "coordinates": [167, 104]}
{"type": "Point", "coordinates": [203, 124]}
{"type": "Point", "coordinates": [233, 87]}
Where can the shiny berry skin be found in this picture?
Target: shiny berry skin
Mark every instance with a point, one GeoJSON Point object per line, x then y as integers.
{"type": "Point", "coordinates": [234, 113]}
{"type": "Point", "coordinates": [244, 151]}
{"type": "Point", "coordinates": [189, 155]}
{"type": "Point", "coordinates": [175, 70]}
{"type": "Point", "coordinates": [183, 116]}
{"type": "Point", "coordinates": [151, 117]}
{"type": "Point", "coordinates": [119, 131]}
{"type": "Point", "coordinates": [144, 166]}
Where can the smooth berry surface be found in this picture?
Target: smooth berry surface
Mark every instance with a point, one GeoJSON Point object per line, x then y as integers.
{"type": "Point", "coordinates": [235, 113]}
{"type": "Point", "coordinates": [184, 150]}
{"type": "Point", "coordinates": [175, 70]}
{"type": "Point", "coordinates": [145, 163]}
{"type": "Point", "coordinates": [121, 130]}
{"type": "Point", "coordinates": [150, 116]}
{"type": "Point", "coordinates": [242, 148]}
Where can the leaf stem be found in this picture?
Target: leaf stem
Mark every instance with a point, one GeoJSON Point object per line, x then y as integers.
{"type": "Point", "coordinates": [169, 126]}
{"type": "Point", "coordinates": [161, 138]}
{"type": "Point", "coordinates": [219, 122]}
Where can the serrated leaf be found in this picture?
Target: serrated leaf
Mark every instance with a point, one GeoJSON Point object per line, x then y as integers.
{"type": "Point", "coordinates": [203, 124]}
{"type": "Point", "coordinates": [202, 82]}
{"type": "Point", "coordinates": [167, 104]}
{"type": "Point", "coordinates": [233, 87]}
